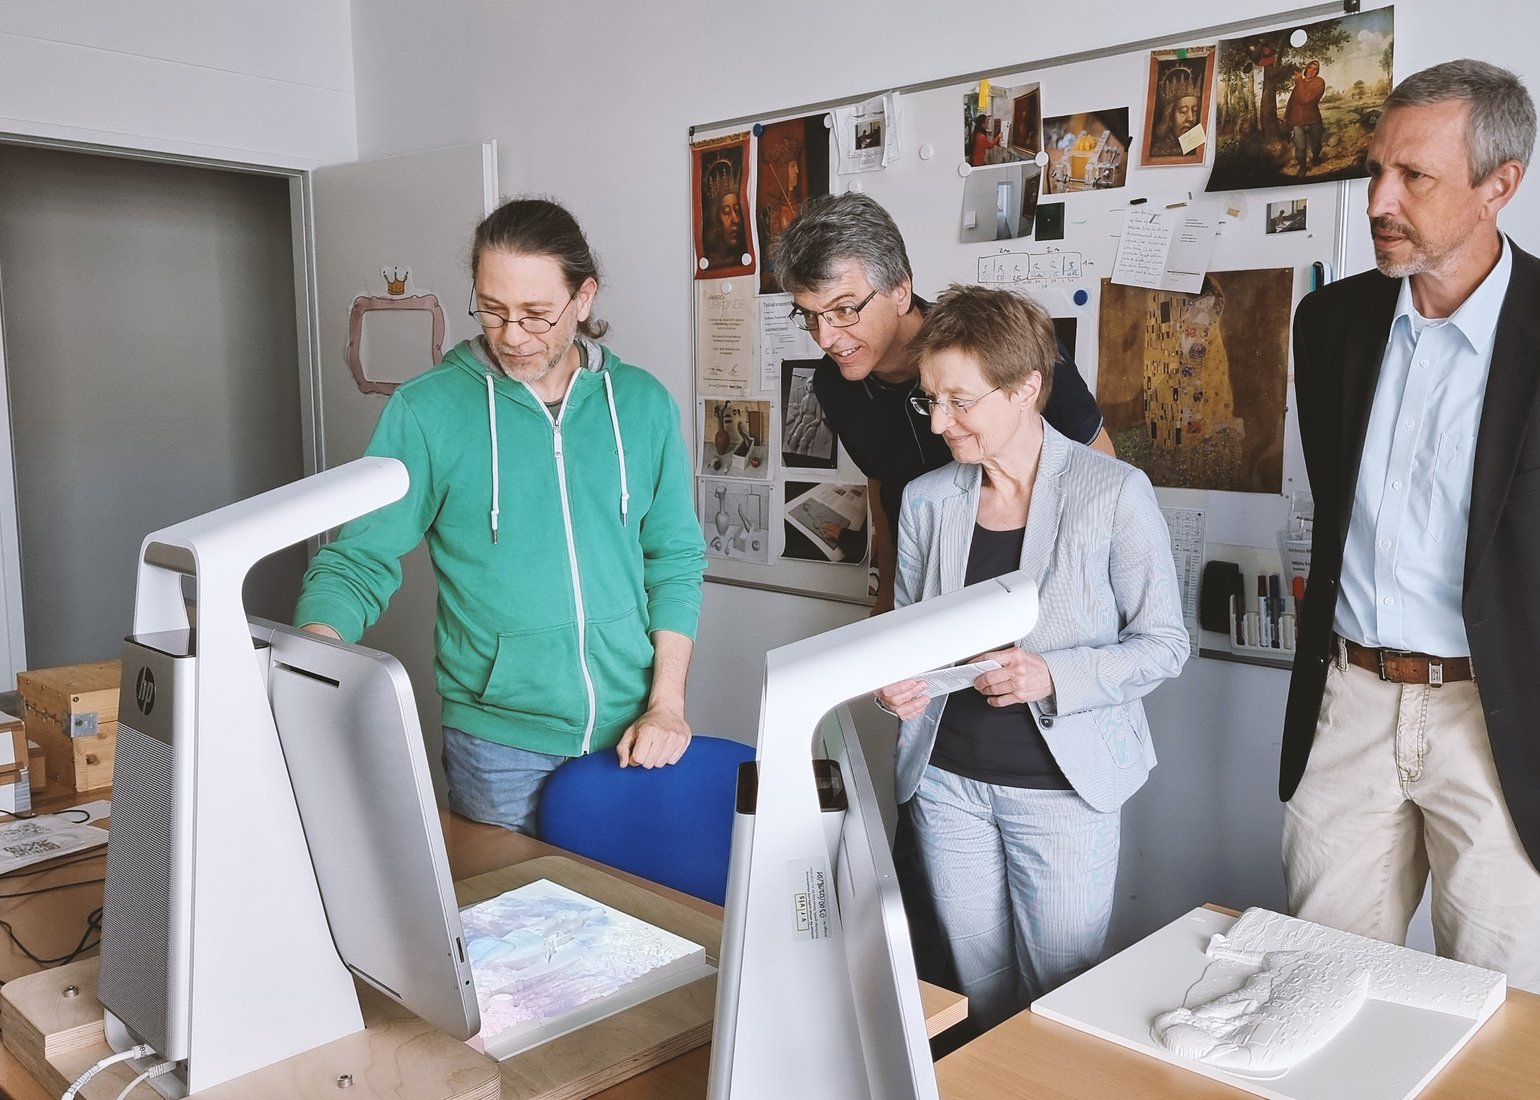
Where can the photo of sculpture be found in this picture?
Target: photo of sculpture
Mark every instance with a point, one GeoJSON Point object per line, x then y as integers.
{"type": "Point", "coordinates": [1292, 113]}
{"type": "Point", "coordinates": [1193, 386]}
{"type": "Point", "coordinates": [807, 441]}
{"type": "Point", "coordinates": [735, 438]}
{"type": "Point", "coordinates": [735, 519]}
{"type": "Point", "coordinates": [722, 240]}
{"type": "Point", "coordinates": [826, 521]}
{"type": "Point", "coordinates": [1087, 151]}
{"type": "Point", "coordinates": [1181, 83]}
{"type": "Point", "coordinates": [793, 162]}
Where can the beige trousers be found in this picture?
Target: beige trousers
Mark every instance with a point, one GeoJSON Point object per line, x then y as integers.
{"type": "Point", "coordinates": [1401, 783]}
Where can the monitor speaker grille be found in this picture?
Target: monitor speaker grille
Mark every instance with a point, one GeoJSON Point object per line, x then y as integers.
{"type": "Point", "coordinates": [136, 917]}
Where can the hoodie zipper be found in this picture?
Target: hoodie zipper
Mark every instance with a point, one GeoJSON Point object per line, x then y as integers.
{"type": "Point", "coordinates": [572, 559]}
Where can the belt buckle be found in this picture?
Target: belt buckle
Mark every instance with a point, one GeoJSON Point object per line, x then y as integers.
{"type": "Point", "coordinates": [1435, 673]}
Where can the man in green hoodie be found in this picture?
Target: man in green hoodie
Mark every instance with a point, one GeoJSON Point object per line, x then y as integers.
{"type": "Point", "coordinates": [552, 484]}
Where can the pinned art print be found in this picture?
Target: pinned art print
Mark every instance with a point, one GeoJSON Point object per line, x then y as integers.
{"type": "Point", "coordinates": [1193, 385]}
{"type": "Point", "coordinates": [1176, 111]}
{"type": "Point", "coordinates": [793, 167]}
{"type": "Point", "coordinates": [1086, 151]}
{"type": "Point", "coordinates": [1001, 125]}
{"type": "Point", "coordinates": [720, 173]}
{"type": "Point", "coordinates": [1299, 105]}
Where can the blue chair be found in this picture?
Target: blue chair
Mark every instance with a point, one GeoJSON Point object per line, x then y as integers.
{"type": "Point", "coordinates": [670, 825]}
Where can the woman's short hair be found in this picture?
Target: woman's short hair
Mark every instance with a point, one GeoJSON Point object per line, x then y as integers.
{"type": "Point", "coordinates": [538, 226]}
{"type": "Point", "coordinates": [1009, 335]}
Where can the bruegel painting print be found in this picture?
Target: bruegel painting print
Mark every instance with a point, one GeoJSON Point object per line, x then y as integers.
{"type": "Point", "coordinates": [1301, 113]}
{"type": "Point", "coordinates": [1193, 385]}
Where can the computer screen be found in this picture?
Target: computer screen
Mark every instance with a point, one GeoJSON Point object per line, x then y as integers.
{"type": "Point", "coordinates": [274, 832]}
{"type": "Point", "coordinates": [816, 992]}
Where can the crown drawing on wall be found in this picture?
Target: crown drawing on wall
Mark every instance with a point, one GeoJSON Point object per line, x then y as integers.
{"type": "Point", "coordinates": [1178, 81]}
{"type": "Point", "coordinates": [721, 177]}
{"type": "Point", "coordinates": [395, 280]}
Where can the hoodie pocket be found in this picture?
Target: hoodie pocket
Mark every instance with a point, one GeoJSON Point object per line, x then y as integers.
{"type": "Point", "coordinates": [620, 658]}
{"type": "Point", "coordinates": [538, 674]}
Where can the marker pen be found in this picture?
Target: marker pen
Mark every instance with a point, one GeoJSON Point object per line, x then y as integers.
{"type": "Point", "coordinates": [1238, 608]}
{"type": "Point", "coordinates": [1275, 605]}
{"type": "Point", "coordinates": [1264, 623]}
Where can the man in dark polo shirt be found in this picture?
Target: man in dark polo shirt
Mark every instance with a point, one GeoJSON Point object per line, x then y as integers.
{"type": "Point", "coordinates": [844, 263]}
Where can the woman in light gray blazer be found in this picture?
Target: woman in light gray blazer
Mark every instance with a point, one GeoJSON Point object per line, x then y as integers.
{"type": "Point", "coordinates": [1017, 782]}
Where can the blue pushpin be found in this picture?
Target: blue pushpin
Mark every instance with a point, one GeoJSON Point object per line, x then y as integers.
{"type": "Point", "coordinates": [1081, 297]}
{"type": "Point", "coordinates": [759, 129]}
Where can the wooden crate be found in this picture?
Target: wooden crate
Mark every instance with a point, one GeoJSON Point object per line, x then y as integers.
{"type": "Point", "coordinates": [72, 712]}
{"type": "Point", "coordinates": [13, 741]}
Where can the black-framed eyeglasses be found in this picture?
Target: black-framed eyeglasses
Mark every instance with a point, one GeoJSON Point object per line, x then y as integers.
{"type": "Point", "coordinates": [537, 326]}
{"type": "Point", "coordinates": [924, 404]}
{"type": "Point", "coordinates": [838, 317]}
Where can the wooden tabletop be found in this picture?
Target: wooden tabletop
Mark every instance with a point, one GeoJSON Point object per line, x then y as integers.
{"type": "Point", "coordinates": [1501, 1062]}
{"type": "Point", "coordinates": [473, 849]}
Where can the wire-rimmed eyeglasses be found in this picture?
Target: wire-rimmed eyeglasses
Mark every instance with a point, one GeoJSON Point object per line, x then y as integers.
{"type": "Point", "coordinates": [537, 326]}
{"type": "Point", "coordinates": [924, 404]}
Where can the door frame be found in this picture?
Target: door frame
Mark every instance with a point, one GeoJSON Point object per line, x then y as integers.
{"type": "Point", "coordinates": [13, 653]}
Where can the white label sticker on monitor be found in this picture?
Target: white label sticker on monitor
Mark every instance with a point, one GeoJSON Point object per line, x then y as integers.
{"type": "Point", "coordinates": [810, 889]}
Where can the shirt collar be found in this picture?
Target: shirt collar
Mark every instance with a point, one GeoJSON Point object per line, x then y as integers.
{"type": "Point", "coordinates": [1477, 316]}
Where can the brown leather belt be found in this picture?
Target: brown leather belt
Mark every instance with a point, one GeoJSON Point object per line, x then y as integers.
{"type": "Point", "coordinates": [1400, 667]}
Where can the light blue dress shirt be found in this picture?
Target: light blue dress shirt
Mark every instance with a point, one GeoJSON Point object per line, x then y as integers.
{"type": "Point", "coordinates": [1403, 566]}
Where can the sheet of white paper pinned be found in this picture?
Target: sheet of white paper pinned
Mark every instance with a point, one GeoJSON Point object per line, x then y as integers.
{"type": "Point", "coordinates": [944, 681]}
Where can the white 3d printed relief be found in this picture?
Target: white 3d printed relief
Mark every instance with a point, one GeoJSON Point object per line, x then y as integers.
{"type": "Point", "coordinates": [1279, 989]}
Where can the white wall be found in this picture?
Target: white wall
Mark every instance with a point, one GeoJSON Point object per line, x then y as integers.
{"type": "Point", "coordinates": [270, 83]}
{"type": "Point", "coordinates": [591, 101]}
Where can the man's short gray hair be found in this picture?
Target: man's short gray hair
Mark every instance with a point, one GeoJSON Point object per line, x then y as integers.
{"type": "Point", "coordinates": [833, 229]}
{"type": "Point", "coordinates": [1501, 120]}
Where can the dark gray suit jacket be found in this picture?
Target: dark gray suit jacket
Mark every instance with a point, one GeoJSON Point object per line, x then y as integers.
{"type": "Point", "coordinates": [1339, 341]}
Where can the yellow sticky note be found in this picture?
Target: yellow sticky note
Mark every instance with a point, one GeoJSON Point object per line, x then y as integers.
{"type": "Point", "coordinates": [983, 95]}
{"type": "Point", "coordinates": [1192, 139]}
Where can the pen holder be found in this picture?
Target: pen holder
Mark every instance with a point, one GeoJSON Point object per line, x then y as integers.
{"type": "Point", "coordinates": [1257, 632]}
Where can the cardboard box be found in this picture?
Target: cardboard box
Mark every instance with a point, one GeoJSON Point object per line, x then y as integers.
{"type": "Point", "coordinates": [72, 711]}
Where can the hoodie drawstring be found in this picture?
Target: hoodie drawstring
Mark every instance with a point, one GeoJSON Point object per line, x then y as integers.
{"type": "Point", "coordinates": [620, 450]}
{"type": "Point", "coordinates": [492, 431]}
{"type": "Point", "coordinates": [594, 355]}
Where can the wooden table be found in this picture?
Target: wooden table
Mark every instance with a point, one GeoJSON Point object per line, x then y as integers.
{"type": "Point", "coordinates": [1032, 1055]}
{"type": "Point", "coordinates": [473, 849]}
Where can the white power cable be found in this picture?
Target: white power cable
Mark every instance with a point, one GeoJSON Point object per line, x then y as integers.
{"type": "Point", "coordinates": [143, 1050]}
{"type": "Point", "coordinates": [160, 1069]}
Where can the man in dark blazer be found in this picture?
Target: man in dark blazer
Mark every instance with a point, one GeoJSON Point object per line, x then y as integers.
{"type": "Point", "coordinates": [1412, 736]}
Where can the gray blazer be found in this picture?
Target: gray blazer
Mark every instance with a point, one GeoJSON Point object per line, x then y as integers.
{"type": "Point", "coordinates": [1109, 622]}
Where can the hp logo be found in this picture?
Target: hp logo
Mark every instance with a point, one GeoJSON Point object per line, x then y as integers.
{"type": "Point", "coordinates": [144, 691]}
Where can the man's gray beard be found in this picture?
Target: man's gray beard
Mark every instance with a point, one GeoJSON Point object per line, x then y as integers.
{"type": "Point", "coordinates": [1400, 270]}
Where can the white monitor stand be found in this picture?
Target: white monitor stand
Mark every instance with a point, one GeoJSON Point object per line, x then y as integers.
{"type": "Point", "coordinates": [216, 949]}
{"type": "Point", "coordinates": [817, 996]}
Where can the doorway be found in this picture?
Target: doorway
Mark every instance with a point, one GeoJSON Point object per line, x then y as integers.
{"type": "Point", "coordinates": [152, 372]}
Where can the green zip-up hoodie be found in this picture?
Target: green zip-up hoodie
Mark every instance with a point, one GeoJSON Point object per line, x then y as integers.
{"type": "Point", "coordinates": [553, 571]}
